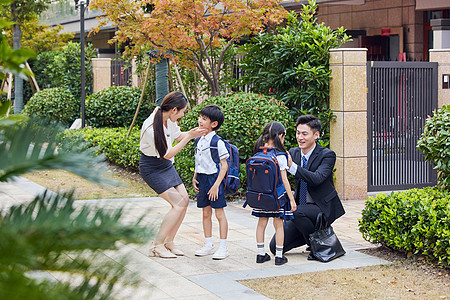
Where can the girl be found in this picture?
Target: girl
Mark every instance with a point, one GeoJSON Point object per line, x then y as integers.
{"type": "Point", "coordinates": [273, 136]}
{"type": "Point", "coordinates": [156, 167]}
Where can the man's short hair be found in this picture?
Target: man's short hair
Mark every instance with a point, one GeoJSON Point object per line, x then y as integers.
{"type": "Point", "coordinates": [312, 121]}
{"type": "Point", "coordinates": [214, 113]}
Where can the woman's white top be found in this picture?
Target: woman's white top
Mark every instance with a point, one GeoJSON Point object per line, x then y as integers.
{"type": "Point", "coordinates": [147, 144]}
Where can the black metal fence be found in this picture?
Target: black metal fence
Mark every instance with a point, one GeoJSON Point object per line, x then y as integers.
{"type": "Point", "coordinates": [400, 97]}
{"type": "Point", "coordinates": [120, 73]}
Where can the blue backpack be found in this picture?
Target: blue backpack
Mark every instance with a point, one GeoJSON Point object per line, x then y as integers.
{"type": "Point", "coordinates": [265, 189]}
{"type": "Point", "coordinates": [231, 179]}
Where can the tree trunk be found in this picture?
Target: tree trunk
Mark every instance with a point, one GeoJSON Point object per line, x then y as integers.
{"type": "Point", "coordinates": [162, 80]}
{"type": "Point", "coordinates": [18, 81]}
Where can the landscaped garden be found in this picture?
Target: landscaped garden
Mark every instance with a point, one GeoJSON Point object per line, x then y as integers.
{"type": "Point", "coordinates": [287, 71]}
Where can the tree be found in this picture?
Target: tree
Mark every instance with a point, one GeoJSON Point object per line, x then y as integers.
{"type": "Point", "coordinates": [41, 37]}
{"type": "Point", "coordinates": [292, 64]}
{"type": "Point", "coordinates": [195, 33]}
{"type": "Point", "coordinates": [18, 12]}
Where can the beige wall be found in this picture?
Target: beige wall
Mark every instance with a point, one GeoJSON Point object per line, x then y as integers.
{"type": "Point", "coordinates": [101, 68]}
{"type": "Point", "coordinates": [442, 57]}
{"type": "Point", "coordinates": [348, 133]}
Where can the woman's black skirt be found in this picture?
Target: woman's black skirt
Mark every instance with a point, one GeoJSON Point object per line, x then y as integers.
{"type": "Point", "coordinates": [159, 174]}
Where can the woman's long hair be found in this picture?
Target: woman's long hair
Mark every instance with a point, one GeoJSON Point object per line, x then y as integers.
{"type": "Point", "coordinates": [271, 132]}
{"type": "Point", "coordinates": [173, 99]}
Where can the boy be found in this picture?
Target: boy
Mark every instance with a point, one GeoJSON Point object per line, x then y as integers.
{"type": "Point", "coordinates": [207, 180]}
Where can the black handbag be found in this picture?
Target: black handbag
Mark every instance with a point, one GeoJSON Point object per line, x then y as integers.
{"type": "Point", "coordinates": [325, 245]}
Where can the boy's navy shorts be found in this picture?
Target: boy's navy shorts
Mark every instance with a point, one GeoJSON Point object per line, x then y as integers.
{"type": "Point", "coordinates": [205, 182]}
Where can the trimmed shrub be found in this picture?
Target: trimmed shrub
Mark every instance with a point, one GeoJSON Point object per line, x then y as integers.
{"type": "Point", "coordinates": [415, 221]}
{"type": "Point", "coordinates": [115, 107]}
{"type": "Point", "coordinates": [435, 144]}
{"type": "Point", "coordinates": [56, 104]}
{"type": "Point", "coordinates": [245, 117]}
{"type": "Point", "coordinates": [61, 68]}
{"type": "Point", "coordinates": [111, 142]}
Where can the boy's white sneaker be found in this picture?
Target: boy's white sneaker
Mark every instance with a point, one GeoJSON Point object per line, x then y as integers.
{"type": "Point", "coordinates": [221, 253]}
{"type": "Point", "coordinates": [205, 250]}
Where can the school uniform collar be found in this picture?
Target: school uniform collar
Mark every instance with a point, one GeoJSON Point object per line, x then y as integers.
{"type": "Point", "coordinates": [209, 136]}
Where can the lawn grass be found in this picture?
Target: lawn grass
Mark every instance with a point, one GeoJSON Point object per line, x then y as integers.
{"type": "Point", "coordinates": [59, 180]}
{"type": "Point", "coordinates": [405, 278]}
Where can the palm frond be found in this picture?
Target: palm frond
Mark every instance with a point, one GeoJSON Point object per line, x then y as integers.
{"type": "Point", "coordinates": [50, 234]}
{"type": "Point", "coordinates": [27, 145]}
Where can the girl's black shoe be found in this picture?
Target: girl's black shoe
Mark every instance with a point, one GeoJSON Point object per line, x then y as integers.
{"type": "Point", "coordinates": [280, 260]}
{"type": "Point", "coordinates": [262, 258]}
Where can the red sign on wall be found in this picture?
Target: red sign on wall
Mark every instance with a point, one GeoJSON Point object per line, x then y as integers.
{"type": "Point", "coordinates": [385, 31]}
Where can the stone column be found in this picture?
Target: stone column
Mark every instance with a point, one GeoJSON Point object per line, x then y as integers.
{"type": "Point", "coordinates": [135, 75]}
{"type": "Point", "coordinates": [442, 57]}
{"type": "Point", "coordinates": [441, 33]}
{"type": "Point", "coordinates": [101, 69]}
{"type": "Point", "coordinates": [348, 135]}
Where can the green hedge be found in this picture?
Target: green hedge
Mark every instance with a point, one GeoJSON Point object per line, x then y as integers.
{"type": "Point", "coordinates": [56, 104]}
{"type": "Point", "coordinates": [435, 144]}
{"type": "Point", "coordinates": [111, 142]}
{"type": "Point", "coordinates": [417, 221]}
{"type": "Point", "coordinates": [115, 107]}
{"type": "Point", "coordinates": [245, 117]}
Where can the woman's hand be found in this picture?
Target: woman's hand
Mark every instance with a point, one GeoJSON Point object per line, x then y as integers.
{"type": "Point", "coordinates": [195, 133]}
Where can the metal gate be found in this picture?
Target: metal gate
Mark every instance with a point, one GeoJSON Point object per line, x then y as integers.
{"type": "Point", "coordinates": [400, 97]}
{"type": "Point", "coordinates": [120, 73]}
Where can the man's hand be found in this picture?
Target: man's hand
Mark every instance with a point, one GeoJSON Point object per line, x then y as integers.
{"type": "Point", "coordinates": [289, 160]}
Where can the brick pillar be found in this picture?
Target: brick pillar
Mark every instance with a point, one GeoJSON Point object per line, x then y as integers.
{"type": "Point", "coordinates": [101, 68]}
{"type": "Point", "coordinates": [442, 57]}
{"type": "Point", "coordinates": [348, 133]}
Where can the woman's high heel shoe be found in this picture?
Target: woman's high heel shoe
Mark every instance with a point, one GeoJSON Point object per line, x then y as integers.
{"type": "Point", "coordinates": [163, 254]}
{"type": "Point", "coordinates": [173, 248]}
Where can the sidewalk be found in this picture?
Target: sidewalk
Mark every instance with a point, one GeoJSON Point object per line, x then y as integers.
{"type": "Point", "coordinates": [192, 277]}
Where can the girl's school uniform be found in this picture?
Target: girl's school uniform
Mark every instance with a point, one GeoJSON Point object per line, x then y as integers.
{"type": "Point", "coordinates": [158, 173]}
{"type": "Point", "coordinates": [284, 211]}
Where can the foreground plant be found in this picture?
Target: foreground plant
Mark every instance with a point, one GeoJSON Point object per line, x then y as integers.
{"type": "Point", "coordinates": [434, 144]}
{"type": "Point", "coordinates": [49, 234]}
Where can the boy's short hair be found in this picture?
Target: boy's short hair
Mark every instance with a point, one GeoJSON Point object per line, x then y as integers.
{"type": "Point", "coordinates": [312, 121]}
{"type": "Point", "coordinates": [214, 113]}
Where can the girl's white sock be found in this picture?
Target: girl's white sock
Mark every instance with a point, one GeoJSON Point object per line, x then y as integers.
{"type": "Point", "coordinates": [279, 251]}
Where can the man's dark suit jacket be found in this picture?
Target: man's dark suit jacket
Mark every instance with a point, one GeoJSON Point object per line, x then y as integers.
{"type": "Point", "coordinates": [319, 178]}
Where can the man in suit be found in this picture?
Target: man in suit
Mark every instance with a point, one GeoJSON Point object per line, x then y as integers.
{"type": "Point", "coordinates": [312, 166]}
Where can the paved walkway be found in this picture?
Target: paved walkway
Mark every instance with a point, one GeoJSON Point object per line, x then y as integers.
{"type": "Point", "coordinates": [192, 277]}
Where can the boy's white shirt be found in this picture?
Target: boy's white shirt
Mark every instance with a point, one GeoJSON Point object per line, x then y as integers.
{"type": "Point", "coordinates": [147, 143]}
{"type": "Point", "coordinates": [204, 163]}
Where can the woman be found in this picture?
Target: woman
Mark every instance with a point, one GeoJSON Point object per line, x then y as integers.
{"type": "Point", "coordinates": [156, 167]}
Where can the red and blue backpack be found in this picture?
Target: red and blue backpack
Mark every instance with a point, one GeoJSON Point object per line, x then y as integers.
{"type": "Point", "coordinates": [265, 188]}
